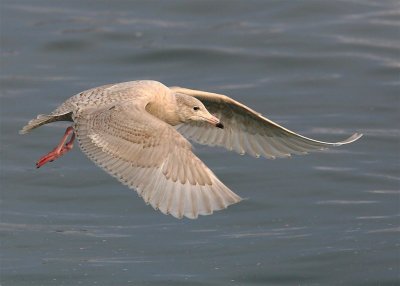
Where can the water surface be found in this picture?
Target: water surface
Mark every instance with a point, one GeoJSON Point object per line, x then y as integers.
{"type": "Point", "coordinates": [324, 69]}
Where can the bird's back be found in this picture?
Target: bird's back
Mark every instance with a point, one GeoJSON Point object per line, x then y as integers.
{"type": "Point", "coordinates": [96, 98]}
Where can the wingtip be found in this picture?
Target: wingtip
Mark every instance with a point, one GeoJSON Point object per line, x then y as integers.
{"type": "Point", "coordinates": [351, 139]}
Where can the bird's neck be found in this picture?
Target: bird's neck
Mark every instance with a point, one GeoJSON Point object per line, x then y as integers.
{"type": "Point", "coordinates": [164, 110]}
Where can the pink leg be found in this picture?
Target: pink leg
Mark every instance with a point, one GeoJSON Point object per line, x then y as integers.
{"type": "Point", "coordinates": [60, 150]}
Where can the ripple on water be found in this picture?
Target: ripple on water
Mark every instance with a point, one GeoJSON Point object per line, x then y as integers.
{"type": "Point", "coordinates": [389, 192]}
{"type": "Point", "coordinates": [289, 232]}
{"type": "Point", "coordinates": [346, 202]}
{"type": "Point", "coordinates": [386, 230]}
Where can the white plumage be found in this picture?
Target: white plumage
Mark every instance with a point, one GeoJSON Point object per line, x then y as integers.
{"type": "Point", "coordinates": [131, 130]}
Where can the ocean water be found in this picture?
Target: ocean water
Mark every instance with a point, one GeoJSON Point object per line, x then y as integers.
{"type": "Point", "coordinates": [325, 69]}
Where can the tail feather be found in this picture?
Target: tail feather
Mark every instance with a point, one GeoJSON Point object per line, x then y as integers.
{"type": "Point", "coordinates": [40, 120]}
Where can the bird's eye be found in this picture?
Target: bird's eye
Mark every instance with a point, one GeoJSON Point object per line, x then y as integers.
{"type": "Point", "coordinates": [196, 108]}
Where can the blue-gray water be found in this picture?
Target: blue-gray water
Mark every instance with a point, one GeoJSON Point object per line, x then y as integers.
{"type": "Point", "coordinates": [323, 68]}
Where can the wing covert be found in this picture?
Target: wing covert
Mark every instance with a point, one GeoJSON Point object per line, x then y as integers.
{"type": "Point", "coordinates": [246, 131]}
{"type": "Point", "coordinates": [151, 157]}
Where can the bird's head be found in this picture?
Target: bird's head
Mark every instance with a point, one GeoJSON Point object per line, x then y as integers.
{"type": "Point", "coordinates": [190, 108]}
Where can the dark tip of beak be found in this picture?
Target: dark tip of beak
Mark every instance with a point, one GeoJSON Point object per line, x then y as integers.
{"type": "Point", "coordinates": [219, 125]}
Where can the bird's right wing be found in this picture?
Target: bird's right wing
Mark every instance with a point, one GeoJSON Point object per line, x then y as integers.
{"type": "Point", "coordinates": [151, 157]}
{"type": "Point", "coordinates": [246, 131]}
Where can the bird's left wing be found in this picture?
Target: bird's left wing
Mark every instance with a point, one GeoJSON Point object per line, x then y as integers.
{"type": "Point", "coordinates": [246, 131]}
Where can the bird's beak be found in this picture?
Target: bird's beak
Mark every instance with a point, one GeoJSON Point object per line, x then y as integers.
{"type": "Point", "coordinates": [214, 121]}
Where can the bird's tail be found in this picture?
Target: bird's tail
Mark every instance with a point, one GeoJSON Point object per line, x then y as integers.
{"type": "Point", "coordinates": [40, 120]}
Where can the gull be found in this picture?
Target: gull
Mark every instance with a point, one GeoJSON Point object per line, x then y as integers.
{"type": "Point", "coordinates": [136, 131]}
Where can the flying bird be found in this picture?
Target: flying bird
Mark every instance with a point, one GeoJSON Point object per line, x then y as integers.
{"type": "Point", "coordinates": [136, 131]}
